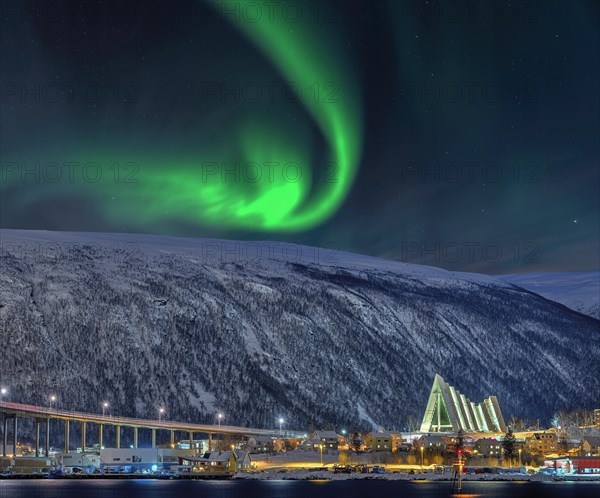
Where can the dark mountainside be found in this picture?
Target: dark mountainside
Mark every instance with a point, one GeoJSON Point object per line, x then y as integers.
{"type": "Point", "coordinates": [355, 343]}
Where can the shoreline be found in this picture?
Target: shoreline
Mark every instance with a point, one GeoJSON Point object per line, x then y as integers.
{"type": "Point", "coordinates": [305, 475]}
{"type": "Point", "coordinates": [402, 476]}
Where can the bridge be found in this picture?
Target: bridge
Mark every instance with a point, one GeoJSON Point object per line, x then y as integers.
{"type": "Point", "coordinates": [42, 416]}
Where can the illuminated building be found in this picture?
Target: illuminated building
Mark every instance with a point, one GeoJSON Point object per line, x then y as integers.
{"type": "Point", "coordinates": [450, 411]}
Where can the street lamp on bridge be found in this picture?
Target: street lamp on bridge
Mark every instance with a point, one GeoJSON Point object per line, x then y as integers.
{"type": "Point", "coordinates": [52, 400]}
{"type": "Point", "coordinates": [281, 421]}
{"type": "Point", "coordinates": [161, 411]}
{"type": "Point", "coordinates": [219, 417]}
{"type": "Point", "coordinates": [3, 392]}
{"type": "Point", "coordinates": [104, 407]}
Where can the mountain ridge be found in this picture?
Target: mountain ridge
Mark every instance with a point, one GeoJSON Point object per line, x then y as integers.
{"type": "Point", "coordinates": [312, 341]}
{"type": "Point", "coordinates": [579, 291]}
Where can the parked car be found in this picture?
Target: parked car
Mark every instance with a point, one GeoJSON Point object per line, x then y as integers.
{"type": "Point", "coordinates": [362, 469]}
{"type": "Point", "coordinates": [343, 469]}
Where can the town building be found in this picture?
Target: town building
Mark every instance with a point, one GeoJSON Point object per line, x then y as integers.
{"type": "Point", "coordinates": [76, 459]}
{"type": "Point", "coordinates": [260, 444]}
{"type": "Point", "coordinates": [221, 461]}
{"type": "Point", "coordinates": [561, 465]}
{"type": "Point", "coordinates": [243, 462]}
{"type": "Point", "coordinates": [487, 448]}
{"type": "Point", "coordinates": [214, 462]}
{"type": "Point", "coordinates": [325, 440]}
{"type": "Point", "coordinates": [25, 465]}
{"type": "Point", "coordinates": [574, 465]}
{"type": "Point", "coordinates": [379, 441]}
{"type": "Point", "coordinates": [286, 444]}
{"type": "Point", "coordinates": [433, 442]}
{"type": "Point", "coordinates": [590, 446]}
{"type": "Point", "coordinates": [569, 445]}
{"type": "Point", "coordinates": [141, 458]}
{"type": "Point", "coordinates": [542, 442]}
{"type": "Point", "coordinates": [397, 441]}
{"type": "Point", "coordinates": [586, 465]}
{"type": "Point", "coordinates": [597, 417]}
{"type": "Point", "coordinates": [450, 411]}
{"type": "Point", "coordinates": [310, 444]}
{"type": "Point", "coordinates": [199, 446]}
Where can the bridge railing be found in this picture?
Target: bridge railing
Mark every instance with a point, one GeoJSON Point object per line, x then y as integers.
{"type": "Point", "coordinates": [42, 411]}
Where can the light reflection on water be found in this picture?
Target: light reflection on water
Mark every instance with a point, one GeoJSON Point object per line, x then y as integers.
{"type": "Point", "coordinates": [289, 489]}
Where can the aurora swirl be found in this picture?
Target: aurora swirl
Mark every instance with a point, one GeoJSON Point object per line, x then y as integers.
{"type": "Point", "coordinates": [275, 203]}
{"type": "Point", "coordinates": [172, 187]}
{"type": "Point", "coordinates": [129, 116]}
{"type": "Point", "coordinates": [296, 53]}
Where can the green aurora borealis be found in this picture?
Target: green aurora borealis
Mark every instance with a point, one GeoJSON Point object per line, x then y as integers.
{"type": "Point", "coordinates": [286, 206]}
{"type": "Point", "coordinates": [275, 188]}
{"type": "Point", "coordinates": [422, 132]}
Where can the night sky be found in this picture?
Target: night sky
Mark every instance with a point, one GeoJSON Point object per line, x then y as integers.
{"type": "Point", "coordinates": [462, 136]}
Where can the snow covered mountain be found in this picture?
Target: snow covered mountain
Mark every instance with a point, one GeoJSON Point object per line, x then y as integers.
{"type": "Point", "coordinates": [261, 330]}
{"type": "Point", "coordinates": [579, 291]}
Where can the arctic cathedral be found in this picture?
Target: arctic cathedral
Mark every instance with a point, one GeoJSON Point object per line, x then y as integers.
{"type": "Point", "coordinates": [450, 411]}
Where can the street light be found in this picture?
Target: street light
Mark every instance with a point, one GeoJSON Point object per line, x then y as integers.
{"type": "Point", "coordinates": [345, 439]}
{"type": "Point", "coordinates": [3, 392]}
{"type": "Point", "coordinates": [219, 417]}
{"type": "Point", "coordinates": [422, 449]}
{"type": "Point", "coordinates": [281, 425]}
{"type": "Point", "coordinates": [52, 400]}
{"type": "Point", "coordinates": [104, 407]}
{"type": "Point", "coordinates": [520, 450]}
{"type": "Point", "coordinates": [321, 448]}
{"type": "Point", "coordinates": [160, 413]}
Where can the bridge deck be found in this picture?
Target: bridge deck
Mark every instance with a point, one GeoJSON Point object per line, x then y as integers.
{"type": "Point", "coordinates": [32, 411]}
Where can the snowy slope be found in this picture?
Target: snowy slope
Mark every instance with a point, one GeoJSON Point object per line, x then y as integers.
{"type": "Point", "coordinates": [579, 291]}
{"type": "Point", "coordinates": [262, 330]}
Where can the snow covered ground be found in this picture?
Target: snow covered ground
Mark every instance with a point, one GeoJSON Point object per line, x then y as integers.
{"type": "Point", "coordinates": [202, 250]}
{"type": "Point", "coordinates": [303, 474]}
{"type": "Point", "coordinates": [579, 291]}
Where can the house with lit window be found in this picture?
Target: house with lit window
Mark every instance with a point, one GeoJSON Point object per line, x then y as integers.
{"type": "Point", "coordinates": [569, 446]}
{"type": "Point", "coordinates": [398, 441]}
{"type": "Point", "coordinates": [214, 462]}
{"type": "Point", "coordinates": [488, 447]}
{"type": "Point", "coordinates": [243, 462]}
{"type": "Point", "coordinates": [328, 440]}
{"type": "Point", "coordinates": [379, 441]}
{"type": "Point", "coordinates": [432, 442]}
{"type": "Point", "coordinates": [542, 442]}
{"type": "Point", "coordinates": [590, 446]}
{"type": "Point", "coordinates": [260, 444]}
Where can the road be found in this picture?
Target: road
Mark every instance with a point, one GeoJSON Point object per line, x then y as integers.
{"type": "Point", "coordinates": [32, 411]}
